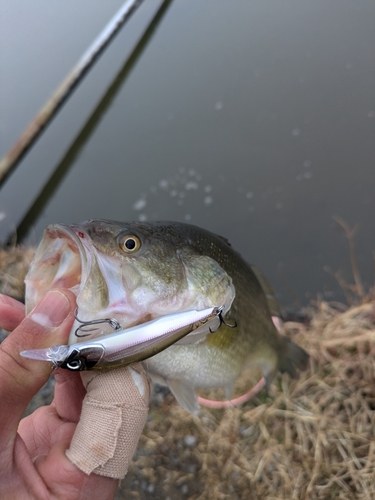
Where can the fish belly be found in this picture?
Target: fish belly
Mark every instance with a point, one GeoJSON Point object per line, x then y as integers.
{"type": "Point", "coordinates": [199, 366]}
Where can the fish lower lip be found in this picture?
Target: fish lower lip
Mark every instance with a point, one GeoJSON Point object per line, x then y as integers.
{"type": "Point", "coordinates": [60, 262]}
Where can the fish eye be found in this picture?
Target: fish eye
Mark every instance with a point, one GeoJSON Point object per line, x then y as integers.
{"type": "Point", "coordinates": [130, 243]}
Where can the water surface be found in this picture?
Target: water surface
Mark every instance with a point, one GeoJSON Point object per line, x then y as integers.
{"type": "Point", "coordinates": [253, 119]}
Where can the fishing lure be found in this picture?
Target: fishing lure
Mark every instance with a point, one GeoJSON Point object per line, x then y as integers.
{"type": "Point", "coordinates": [130, 345]}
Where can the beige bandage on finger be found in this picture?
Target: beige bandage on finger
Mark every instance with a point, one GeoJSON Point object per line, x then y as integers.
{"type": "Point", "coordinates": [114, 412]}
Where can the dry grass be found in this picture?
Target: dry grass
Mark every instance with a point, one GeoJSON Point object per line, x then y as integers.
{"type": "Point", "coordinates": [309, 439]}
{"type": "Point", "coordinates": [14, 264]}
{"type": "Point", "coordinates": [313, 438]}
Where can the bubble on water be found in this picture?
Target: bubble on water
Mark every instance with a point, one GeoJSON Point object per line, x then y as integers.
{"type": "Point", "coordinates": [279, 205]}
{"type": "Point", "coordinates": [208, 200]}
{"type": "Point", "coordinates": [296, 132]}
{"type": "Point", "coordinates": [142, 217]}
{"type": "Point", "coordinates": [187, 217]}
{"type": "Point", "coordinates": [191, 185]}
{"type": "Point", "coordinates": [208, 189]}
{"type": "Point", "coordinates": [2, 215]}
{"type": "Point", "coordinates": [192, 172]}
{"type": "Point", "coordinates": [139, 204]}
{"type": "Point", "coordinates": [249, 195]}
{"type": "Point", "coordinates": [173, 193]}
{"type": "Point", "coordinates": [219, 105]}
{"type": "Point", "coordinates": [306, 175]}
{"type": "Point", "coordinates": [163, 183]}
{"type": "Point", "coordinates": [371, 114]}
{"type": "Point", "coordinates": [307, 163]}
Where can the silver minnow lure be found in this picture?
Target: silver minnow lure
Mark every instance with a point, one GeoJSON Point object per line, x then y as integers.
{"type": "Point", "coordinates": [130, 345]}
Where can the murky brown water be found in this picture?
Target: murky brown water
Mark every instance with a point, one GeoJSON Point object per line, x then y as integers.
{"type": "Point", "coordinates": [255, 120]}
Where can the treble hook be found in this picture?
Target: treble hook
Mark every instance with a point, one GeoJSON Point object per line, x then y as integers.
{"type": "Point", "coordinates": [111, 321]}
{"type": "Point", "coordinates": [222, 321]}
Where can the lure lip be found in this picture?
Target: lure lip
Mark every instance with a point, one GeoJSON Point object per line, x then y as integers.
{"type": "Point", "coordinates": [129, 345]}
{"type": "Point", "coordinates": [55, 354]}
{"type": "Point", "coordinates": [38, 354]}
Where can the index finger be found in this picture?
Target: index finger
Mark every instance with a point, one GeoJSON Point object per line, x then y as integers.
{"type": "Point", "coordinates": [12, 313]}
{"type": "Point", "coordinates": [20, 378]}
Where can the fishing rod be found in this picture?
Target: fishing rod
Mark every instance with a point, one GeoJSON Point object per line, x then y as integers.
{"type": "Point", "coordinates": [64, 165]}
{"type": "Point", "coordinates": [49, 110]}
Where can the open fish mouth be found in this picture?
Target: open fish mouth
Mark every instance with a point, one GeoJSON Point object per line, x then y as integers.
{"type": "Point", "coordinates": [66, 258]}
{"type": "Point", "coordinates": [60, 262]}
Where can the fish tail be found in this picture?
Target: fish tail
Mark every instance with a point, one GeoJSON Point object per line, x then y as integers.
{"type": "Point", "coordinates": [292, 357]}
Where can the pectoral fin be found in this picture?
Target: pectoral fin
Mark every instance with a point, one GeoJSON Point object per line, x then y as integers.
{"type": "Point", "coordinates": [185, 395]}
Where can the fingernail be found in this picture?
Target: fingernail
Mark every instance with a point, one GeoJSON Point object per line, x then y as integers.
{"type": "Point", "coordinates": [51, 310]}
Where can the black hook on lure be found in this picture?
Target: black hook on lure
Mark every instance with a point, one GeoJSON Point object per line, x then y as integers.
{"type": "Point", "coordinates": [223, 322]}
{"type": "Point", "coordinates": [111, 321]}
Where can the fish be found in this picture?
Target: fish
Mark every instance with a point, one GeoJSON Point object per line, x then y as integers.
{"type": "Point", "coordinates": [136, 272]}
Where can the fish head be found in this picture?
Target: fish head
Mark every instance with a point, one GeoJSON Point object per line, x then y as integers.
{"type": "Point", "coordinates": [133, 272]}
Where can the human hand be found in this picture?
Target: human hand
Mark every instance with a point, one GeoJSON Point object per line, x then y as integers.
{"type": "Point", "coordinates": [33, 463]}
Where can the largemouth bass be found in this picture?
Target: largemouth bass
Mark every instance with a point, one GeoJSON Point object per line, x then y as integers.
{"type": "Point", "coordinates": [138, 271]}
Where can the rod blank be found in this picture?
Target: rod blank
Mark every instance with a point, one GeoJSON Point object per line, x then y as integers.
{"type": "Point", "coordinates": [45, 115]}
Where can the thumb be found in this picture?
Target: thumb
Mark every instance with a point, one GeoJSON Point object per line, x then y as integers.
{"type": "Point", "coordinates": [49, 323]}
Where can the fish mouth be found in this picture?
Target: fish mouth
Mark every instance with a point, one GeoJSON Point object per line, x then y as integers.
{"type": "Point", "coordinates": [61, 261]}
{"type": "Point", "coordinates": [67, 258]}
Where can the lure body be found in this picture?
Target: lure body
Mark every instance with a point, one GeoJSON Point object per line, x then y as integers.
{"type": "Point", "coordinates": [132, 344]}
